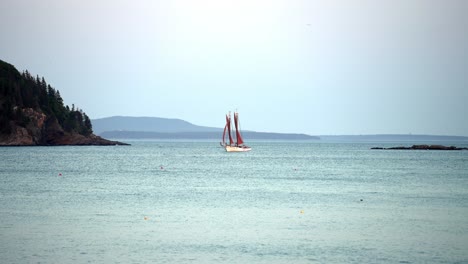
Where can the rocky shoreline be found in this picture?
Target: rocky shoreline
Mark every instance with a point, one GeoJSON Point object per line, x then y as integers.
{"type": "Point", "coordinates": [65, 140]}
{"type": "Point", "coordinates": [79, 140]}
{"type": "Point", "coordinates": [44, 131]}
{"type": "Point", "coordinates": [423, 147]}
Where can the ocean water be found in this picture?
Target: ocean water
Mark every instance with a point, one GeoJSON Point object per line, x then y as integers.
{"type": "Point", "coordinates": [191, 202]}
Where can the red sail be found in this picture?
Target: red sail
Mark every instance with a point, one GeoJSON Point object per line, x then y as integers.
{"type": "Point", "coordinates": [228, 127]}
{"type": "Point", "coordinates": [224, 134]}
{"type": "Point", "coordinates": [238, 135]}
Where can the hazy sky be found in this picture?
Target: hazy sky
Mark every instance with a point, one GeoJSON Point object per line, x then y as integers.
{"type": "Point", "coordinates": [315, 67]}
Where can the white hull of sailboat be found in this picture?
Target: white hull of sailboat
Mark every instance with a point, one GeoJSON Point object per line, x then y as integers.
{"type": "Point", "coordinates": [237, 149]}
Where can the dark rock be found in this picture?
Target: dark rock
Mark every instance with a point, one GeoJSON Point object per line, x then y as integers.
{"type": "Point", "coordinates": [398, 148]}
{"type": "Point", "coordinates": [80, 140]}
{"type": "Point", "coordinates": [424, 147]}
{"type": "Point", "coordinates": [45, 131]}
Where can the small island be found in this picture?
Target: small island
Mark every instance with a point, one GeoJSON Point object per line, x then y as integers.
{"type": "Point", "coordinates": [423, 147]}
{"type": "Point", "coordinates": [32, 113]}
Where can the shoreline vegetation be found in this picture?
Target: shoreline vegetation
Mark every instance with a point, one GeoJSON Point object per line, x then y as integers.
{"type": "Point", "coordinates": [32, 113]}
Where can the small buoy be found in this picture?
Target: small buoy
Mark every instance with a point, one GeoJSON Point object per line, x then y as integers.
{"type": "Point", "coordinates": [302, 211]}
{"type": "Point", "coordinates": [162, 168]}
{"type": "Point", "coordinates": [60, 174]}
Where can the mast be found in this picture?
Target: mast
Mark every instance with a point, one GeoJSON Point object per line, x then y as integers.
{"type": "Point", "coordinates": [228, 128]}
{"type": "Point", "coordinates": [238, 135]}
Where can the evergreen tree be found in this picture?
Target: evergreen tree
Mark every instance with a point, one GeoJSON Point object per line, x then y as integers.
{"type": "Point", "coordinates": [88, 127]}
{"type": "Point", "coordinates": [6, 114]}
{"type": "Point", "coordinates": [21, 90]}
{"type": "Point", "coordinates": [43, 97]}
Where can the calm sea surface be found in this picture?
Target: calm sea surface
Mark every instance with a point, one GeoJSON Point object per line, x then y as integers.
{"type": "Point", "coordinates": [191, 202]}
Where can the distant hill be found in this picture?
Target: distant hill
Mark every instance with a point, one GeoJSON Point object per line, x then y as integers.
{"type": "Point", "coordinates": [125, 127]}
{"type": "Point", "coordinates": [147, 124]}
{"type": "Point", "coordinates": [248, 135]}
{"type": "Point", "coordinates": [164, 128]}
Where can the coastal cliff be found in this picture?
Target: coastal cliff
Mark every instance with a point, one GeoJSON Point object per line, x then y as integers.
{"type": "Point", "coordinates": [32, 113]}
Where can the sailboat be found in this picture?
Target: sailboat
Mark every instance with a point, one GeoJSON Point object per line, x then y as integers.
{"type": "Point", "coordinates": [237, 145]}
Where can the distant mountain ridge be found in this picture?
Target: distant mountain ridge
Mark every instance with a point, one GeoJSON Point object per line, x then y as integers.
{"type": "Point", "coordinates": [126, 127]}
{"type": "Point", "coordinates": [249, 135]}
{"type": "Point", "coordinates": [147, 124]}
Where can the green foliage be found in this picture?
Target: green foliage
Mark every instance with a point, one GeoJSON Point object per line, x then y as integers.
{"type": "Point", "coordinates": [21, 90]}
{"type": "Point", "coordinates": [6, 114]}
{"type": "Point", "coordinates": [88, 127]}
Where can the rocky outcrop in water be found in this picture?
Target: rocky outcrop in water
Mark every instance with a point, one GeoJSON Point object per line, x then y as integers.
{"type": "Point", "coordinates": [42, 130]}
{"type": "Point", "coordinates": [424, 147]}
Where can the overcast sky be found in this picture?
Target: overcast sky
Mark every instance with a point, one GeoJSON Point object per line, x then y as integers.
{"type": "Point", "coordinates": [315, 67]}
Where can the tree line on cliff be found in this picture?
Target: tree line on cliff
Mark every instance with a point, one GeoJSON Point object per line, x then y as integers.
{"type": "Point", "coordinates": [21, 91]}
